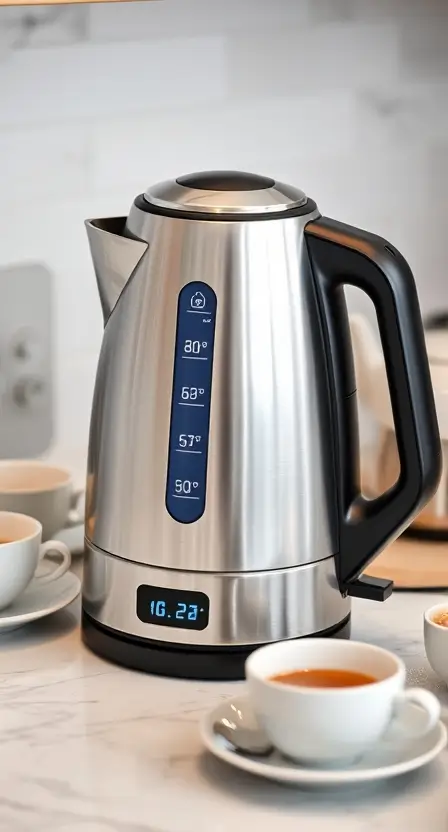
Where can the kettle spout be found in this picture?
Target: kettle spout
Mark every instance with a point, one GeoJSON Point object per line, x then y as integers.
{"type": "Point", "coordinates": [114, 256]}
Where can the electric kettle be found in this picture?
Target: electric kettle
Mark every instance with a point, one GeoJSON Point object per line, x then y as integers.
{"type": "Point", "coordinates": [223, 502]}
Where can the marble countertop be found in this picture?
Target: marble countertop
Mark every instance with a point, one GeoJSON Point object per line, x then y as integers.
{"type": "Point", "coordinates": [90, 747]}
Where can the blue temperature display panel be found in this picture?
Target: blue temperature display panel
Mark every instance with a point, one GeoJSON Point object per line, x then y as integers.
{"type": "Point", "coordinates": [186, 609]}
{"type": "Point", "coordinates": [190, 407]}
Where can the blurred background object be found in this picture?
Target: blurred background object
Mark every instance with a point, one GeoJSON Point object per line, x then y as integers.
{"type": "Point", "coordinates": [381, 466]}
{"type": "Point", "coordinates": [344, 98]}
{"type": "Point", "coordinates": [26, 372]}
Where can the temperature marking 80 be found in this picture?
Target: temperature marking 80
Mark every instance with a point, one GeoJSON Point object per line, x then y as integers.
{"type": "Point", "coordinates": [194, 346]}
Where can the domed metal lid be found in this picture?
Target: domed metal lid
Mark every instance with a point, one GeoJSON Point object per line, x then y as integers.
{"type": "Point", "coordinates": [225, 192]}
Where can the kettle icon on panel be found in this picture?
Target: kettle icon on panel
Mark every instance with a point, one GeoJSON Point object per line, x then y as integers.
{"type": "Point", "coordinates": [197, 301]}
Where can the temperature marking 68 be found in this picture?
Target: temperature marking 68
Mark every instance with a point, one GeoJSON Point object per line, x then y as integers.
{"type": "Point", "coordinates": [192, 393]}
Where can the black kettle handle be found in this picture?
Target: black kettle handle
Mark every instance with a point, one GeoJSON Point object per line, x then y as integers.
{"type": "Point", "coordinates": [341, 255]}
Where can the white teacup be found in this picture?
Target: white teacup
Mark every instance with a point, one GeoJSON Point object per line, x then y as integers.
{"type": "Point", "coordinates": [436, 640]}
{"type": "Point", "coordinates": [321, 726]}
{"type": "Point", "coordinates": [21, 551]}
{"type": "Point", "coordinates": [41, 491]}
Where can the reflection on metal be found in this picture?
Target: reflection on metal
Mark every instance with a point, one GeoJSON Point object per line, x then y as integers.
{"type": "Point", "coordinates": [245, 607]}
{"type": "Point", "coordinates": [264, 511]}
{"type": "Point", "coordinates": [114, 258]}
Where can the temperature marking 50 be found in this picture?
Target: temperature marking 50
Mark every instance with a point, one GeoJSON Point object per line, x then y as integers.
{"type": "Point", "coordinates": [184, 486]}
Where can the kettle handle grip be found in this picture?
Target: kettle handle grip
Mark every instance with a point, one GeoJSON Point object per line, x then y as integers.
{"type": "Point", "coordinates": [341, 255]}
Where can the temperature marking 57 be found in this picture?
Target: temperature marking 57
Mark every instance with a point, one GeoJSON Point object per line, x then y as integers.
{"type": "Point", "coordinates": [187, 440]}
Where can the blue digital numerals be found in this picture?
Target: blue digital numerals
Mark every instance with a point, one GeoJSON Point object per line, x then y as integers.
{"type": "Point", "coordinates": [166, 607]}
{"type": "Point", "coordinates": [190, 407]}
{"type": "Point", "coordinates": [182, 612]}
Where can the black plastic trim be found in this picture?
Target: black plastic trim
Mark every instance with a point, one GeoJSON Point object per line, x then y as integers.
{"type": "Point", "coordinates": [226, 180]}
{"type": "Point", "coordinates": [143, 205]}
{"type": "Point", "coordinates": [341, 255]}
{"type": "Point", "coordinates": [185, 662]}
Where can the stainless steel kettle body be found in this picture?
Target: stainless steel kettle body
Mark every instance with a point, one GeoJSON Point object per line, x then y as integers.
{"type": "Point", "coordinates": [222, 473]}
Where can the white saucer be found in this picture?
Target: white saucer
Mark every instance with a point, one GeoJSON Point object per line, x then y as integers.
{"type": "Point", "coordinates": [40, 600]}
{"type": "Point", "coordinates": [388, 759]}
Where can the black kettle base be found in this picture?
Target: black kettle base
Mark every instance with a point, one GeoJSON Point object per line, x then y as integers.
{"type": "Point", "coordinates": [186, 662]}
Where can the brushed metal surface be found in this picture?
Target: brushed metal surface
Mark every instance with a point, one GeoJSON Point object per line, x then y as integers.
{"type": "Point", "coordinates": [245, 608]}
{"type": "Point", "coordinates": [270, 487]}
{"type": "Point", "coordinates": [172, 194]}
{"type": "Point", "coordinates": [114, 258]}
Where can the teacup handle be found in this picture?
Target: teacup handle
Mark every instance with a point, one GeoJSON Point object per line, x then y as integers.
{"type": "Point", "coordinates": [404, 717]}
{"type": "Point", "coordinates": [59, 548]}
{"type": "Point", "coordinates": [75, 516]}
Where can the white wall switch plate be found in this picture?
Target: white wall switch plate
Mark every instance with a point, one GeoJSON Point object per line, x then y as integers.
{"type": "Point", "coordinates": [26, 377]}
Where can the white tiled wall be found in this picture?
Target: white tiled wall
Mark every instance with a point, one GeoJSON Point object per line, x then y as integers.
{"type": "Point", "coordinates": [348, 99]}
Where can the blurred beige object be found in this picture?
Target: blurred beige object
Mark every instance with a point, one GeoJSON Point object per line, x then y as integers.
{"type": "Point", "coordinates": [56, 2]}
{"type": "Point", "coordinates": [413, 564]}
{"type": "Point", "coordinates": [381, 470]}
{"type": "Point", "coordinates": [45, 492]}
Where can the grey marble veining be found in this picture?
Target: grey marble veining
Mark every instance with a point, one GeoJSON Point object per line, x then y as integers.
{"type": "Point", "coordinates": [90, 747]}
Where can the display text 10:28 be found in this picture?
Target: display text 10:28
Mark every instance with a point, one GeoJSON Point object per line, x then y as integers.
{"type": "Point", "coordinates": [172, 607]}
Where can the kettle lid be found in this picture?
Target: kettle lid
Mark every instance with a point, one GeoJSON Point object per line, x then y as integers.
{"type": "Point", "coordinates": [227, 192]}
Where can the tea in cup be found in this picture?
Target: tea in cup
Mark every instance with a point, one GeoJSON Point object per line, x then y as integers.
{"type": "Point", "coordinates": [435, 628]}
{"type": "Point", "coordinates": [21, 551]}
{"type": "Point", "coordinates": [323, 701]}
